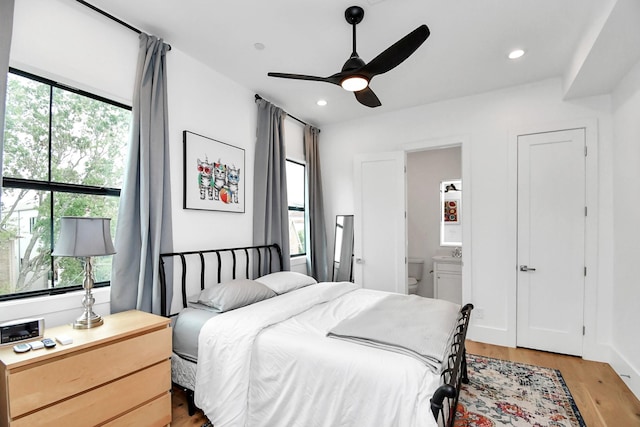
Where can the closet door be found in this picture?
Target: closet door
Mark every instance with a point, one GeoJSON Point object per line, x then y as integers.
{"type": "Point", "coordinates": [551, 241]}
{"type": "Point", "coordinates": [380, 221]}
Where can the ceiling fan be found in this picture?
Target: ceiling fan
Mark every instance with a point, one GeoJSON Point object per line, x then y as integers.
{"type": "Point", "coordinates": [356, 75]}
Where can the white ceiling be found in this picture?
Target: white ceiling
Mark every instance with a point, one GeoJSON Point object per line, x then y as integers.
{"type": "Point", "coordinates": [465, 54]}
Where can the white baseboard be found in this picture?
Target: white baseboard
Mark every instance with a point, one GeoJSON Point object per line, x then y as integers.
{"type": "Point", "coordinates": [596, 352]}
{"type": "Point", "coordinates": [488, 335]}
{"type": "Point", "coordinates": [630, 374]}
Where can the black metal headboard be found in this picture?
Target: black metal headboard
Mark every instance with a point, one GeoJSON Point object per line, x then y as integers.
{"type": "Point", "coordinates": [244, 260]}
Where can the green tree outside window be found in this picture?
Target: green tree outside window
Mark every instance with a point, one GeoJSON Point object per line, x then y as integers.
{"type": "Point", "coordinates": [64, 155]}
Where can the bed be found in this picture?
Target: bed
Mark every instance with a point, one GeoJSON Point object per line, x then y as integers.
{"type": "Point", "coordinates": [281, 358]}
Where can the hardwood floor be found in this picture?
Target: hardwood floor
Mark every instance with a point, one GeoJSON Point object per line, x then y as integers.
{"type": "Point", "coordinates": [603, 398]}
{"type": "Point", "coordinates": [180, 415]}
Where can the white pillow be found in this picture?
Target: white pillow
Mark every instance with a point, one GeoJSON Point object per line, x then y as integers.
{"type": "Point", "coordinates": [286, 281]}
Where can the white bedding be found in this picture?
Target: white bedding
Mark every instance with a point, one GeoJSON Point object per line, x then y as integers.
{"type": "Point", "coordinates": [271, 364]}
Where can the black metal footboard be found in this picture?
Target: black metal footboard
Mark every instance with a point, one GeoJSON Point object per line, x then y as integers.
{"type": "Point", "coordinates": [445, 398]}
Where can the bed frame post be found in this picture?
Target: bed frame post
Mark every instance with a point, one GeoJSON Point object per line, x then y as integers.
{"type": "Point", "coordinates": [454, 373]}
{"type": "Point", "coordinates": [191, 403]}
{"type": "Point", "coordinates": [465, 374]}
{"type": "Point", "coordinates": [163, 290]}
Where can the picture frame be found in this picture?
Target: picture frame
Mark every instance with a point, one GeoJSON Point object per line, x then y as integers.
{"type": "Point", "coordinates": [213, 177]}
{"type": "Point", "coordinates": [451, 212]}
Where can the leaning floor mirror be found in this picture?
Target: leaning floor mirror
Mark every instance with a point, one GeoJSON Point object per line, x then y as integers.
{"type": "Point", "coordinates": [343, 249]}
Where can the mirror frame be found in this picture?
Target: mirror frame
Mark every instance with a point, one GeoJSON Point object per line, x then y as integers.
{"type": "Point", "coordinates": [346, 247]}
{"type": "Point", "coordinates": [451, 192]}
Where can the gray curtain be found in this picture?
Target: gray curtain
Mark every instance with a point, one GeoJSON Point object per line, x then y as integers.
{"type": "Point", "coordinates": [144, 219]}
{"type": "Point", "coordinates": [318, 259]}
{"type": "Point", "coordinates": [270, 209]}
{"type": "Point", "coordinates": [6, 30]}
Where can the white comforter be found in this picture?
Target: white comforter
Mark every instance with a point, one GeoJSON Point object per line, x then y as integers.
{"type": "Point", "coordinates": [270, 364]}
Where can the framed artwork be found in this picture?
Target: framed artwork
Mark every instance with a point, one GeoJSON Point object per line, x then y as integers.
{"type": "Point", "coordinates": [451, 211]}
{"type": "Point", "coordinates": [213, 174]}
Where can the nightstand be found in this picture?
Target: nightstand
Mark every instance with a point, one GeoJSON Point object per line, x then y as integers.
{"type": "Point", "coordinates": [116, 374]}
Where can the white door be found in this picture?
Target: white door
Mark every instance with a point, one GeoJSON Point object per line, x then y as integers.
{"type": "Point", "coordinates": [379, 219]}
{"type": "Point", "coordinates": [551, 227]}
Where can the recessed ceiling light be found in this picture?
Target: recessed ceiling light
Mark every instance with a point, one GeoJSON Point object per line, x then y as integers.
{"type": "Point", "coordinates": [322, 102]}
{"type": "Point", "coordinates": [258, 46]}
{"type": "Point", "coordinates": [515, 54]}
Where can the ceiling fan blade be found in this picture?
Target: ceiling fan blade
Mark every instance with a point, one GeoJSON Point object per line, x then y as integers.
{"type": "Point", "coordinates": [301, 77]}
{"type": "Point", "coordinates": [396, 53]}
{"type": "Point", "coordinates": [367, 97]}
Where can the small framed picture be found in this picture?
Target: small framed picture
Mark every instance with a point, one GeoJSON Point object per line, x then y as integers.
{"type": "Point", "coordinates": [451, 212]}
{"type": "Point", "coordinates": [213, 174]}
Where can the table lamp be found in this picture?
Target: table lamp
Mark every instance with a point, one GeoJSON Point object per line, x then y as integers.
{"type": "Point", "coordinates": [85, 237]}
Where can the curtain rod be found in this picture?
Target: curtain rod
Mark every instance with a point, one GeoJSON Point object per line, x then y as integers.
{"type": "Point", "coordinates": [292, 116]}
{"type": "Point", "coordinates": [113, 18]}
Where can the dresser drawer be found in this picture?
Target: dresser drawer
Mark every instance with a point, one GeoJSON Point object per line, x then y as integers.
{"type": "Point", "coordinates": [39, 385]}
{"type": "Point", "coordinates": [152, 414]}
{"type": "Point", "coordinates": [109, 401]}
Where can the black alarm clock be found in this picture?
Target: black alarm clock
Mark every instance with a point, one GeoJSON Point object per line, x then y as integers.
{"type": "Point", "coordinates": [15, 331]}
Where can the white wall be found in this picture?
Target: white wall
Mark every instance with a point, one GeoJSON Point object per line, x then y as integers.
{"type": "Point", "coordinates": [626, 212]}
{"type": "Point", "coordinates": [69, 43]}
{"type": "Point", "coordinates": [486, 121]}
{"type": "Point", "coordinates": [425, 170]}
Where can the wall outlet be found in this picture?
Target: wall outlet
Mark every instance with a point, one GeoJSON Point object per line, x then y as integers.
{"type": "Point", "coordinates": [478, 313]}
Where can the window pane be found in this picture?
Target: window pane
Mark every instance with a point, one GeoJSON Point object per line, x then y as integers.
{"type": "Point", "coordinates": [74, 204]}
{"type": "Point", "coordinates": [25, 240]}
{"type": "Point", "coordinates": [79, 140]}
{"type": "Point", "coordinates": [69, 271]}
{"type": "Point", "coordinates": [295, 184]}
{"type": "Point", "coordinates": [26, 136]}
{"type": "Point", "coordinates": [296, 232]}
{"type": "Point", "coordinates": [89, 139]}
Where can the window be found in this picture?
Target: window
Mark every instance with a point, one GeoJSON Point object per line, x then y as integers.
{"type": "Point", "coordinates": [296, 201]}
{"type": "Point", "coordinates": [64, 155]}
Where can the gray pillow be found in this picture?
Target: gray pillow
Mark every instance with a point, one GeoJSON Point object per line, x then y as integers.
{"type": "Point", "coordinates": [234, 294]}
{"type": "Point", "coordinates": [282, 282]}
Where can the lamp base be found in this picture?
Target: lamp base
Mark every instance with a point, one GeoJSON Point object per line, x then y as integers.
{"type": "Point", "coordinates": [87, 321]}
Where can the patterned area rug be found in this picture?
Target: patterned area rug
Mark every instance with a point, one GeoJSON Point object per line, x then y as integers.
{"type": "Point", "coordinates": [503, 393]}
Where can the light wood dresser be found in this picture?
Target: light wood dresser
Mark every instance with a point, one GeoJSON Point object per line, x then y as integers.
{"type": "Point", "coordinates": [117, 374]}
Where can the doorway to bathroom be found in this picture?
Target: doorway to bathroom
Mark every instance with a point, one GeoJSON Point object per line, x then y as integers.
{"type": "Point", "coordinates": [381, 217]}
{"type": "Point", "coordinates": [427, 169]}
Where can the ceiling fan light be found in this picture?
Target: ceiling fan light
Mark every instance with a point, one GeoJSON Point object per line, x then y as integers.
{"type": "Point", "coordinates": [515, 54]}
{"type": "Point", "coordinates": [354, 83]}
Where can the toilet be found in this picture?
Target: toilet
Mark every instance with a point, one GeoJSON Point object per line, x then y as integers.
{"type": "Point", "coordinates": [414, 268]}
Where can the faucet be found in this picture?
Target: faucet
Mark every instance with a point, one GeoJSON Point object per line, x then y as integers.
{"type": "Point", "coordinates": [457, 253]}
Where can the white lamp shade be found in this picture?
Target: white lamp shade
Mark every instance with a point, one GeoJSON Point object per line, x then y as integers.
{"type": "Point", "coordinates": [84, 237]}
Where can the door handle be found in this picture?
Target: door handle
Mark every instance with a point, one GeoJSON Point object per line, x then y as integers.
{"type": "Point", "coordinates": [359, 261]}
{"type": "Point", "coordinates": [526, 268]}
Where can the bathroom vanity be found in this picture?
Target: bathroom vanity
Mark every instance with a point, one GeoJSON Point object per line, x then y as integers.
{"type": "Point", "coordinates": [447, 278]}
